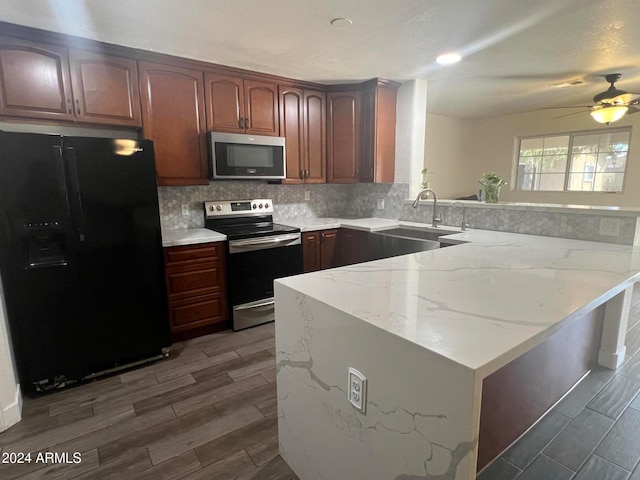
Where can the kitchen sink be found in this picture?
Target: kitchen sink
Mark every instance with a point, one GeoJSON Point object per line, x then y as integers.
{"type": "Point", "coordinates": [401, 241]}
{"type": "Point", "coordinates": [413, 233]}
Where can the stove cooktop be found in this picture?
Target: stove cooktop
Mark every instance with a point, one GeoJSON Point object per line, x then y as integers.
{"type": "Point", "coordinates": [252, 230]}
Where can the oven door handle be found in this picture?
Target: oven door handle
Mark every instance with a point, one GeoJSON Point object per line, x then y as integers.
{"type": "Point", "coordinates": [253, 305]}
{"type": "Point", "coordinates": [239, 246]}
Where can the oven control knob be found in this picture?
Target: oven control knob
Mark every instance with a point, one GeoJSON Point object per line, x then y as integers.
{"type": "Point", "coordinates": [219, 208]}
{"type": "Point", "coordinates": [254, 206]}
{"type": "Point", "coordinates": [211, 208]}
{"type": "Point", "coordinates": [260, 206]}
{"type": "Point", "coordinates": [266, 205]}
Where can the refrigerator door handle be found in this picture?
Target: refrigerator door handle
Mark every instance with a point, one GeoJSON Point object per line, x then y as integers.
{"type": "Point", "coordinates": [74, 194]}
{"type": "Point", "coordinates": [62, 179]}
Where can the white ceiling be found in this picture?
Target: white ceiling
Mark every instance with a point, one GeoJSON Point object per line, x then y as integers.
{"type": "Point", "coordinates": [513, 48]}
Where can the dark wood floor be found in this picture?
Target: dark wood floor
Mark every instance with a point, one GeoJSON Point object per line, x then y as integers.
{"type": "Point", "coordinates": [592, 434]}
{"type": "Point", "coordinates": [207, 412]}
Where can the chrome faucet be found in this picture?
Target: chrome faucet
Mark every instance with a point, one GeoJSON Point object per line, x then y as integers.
{"type": "Point", "coordinates": [464, 224]}
{"type": "Point", "coordinates": [435, 221]}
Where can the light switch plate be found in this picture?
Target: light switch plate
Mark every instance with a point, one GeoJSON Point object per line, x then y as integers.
{"type": "Point", "coordinates": [380, 203]}
{"type": "Point", "coordinates": [185, 209]}
{"type": "Point", "coordinates": [610, 226]}
{"type": "Point", "coordinates": [307, 195]}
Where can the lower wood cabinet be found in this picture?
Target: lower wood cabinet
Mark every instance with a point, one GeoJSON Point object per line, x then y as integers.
{"type": "Point", "coordinates": [331, 248]}
{"type": "Point", "coordinates": [196, 288]}
{"type": "Point", "coordinates": [319, 249]}
{"type": "Point", "coordinates": [352, 246]}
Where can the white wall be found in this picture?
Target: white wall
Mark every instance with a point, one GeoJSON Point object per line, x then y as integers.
{"type": "Point", "coordinates": [410, 130]}
{"type": "Point", "coordinates": [493, 143]}
{"type": "Point", "coordinates": [10, 399]}
{"type": "Point", "coordinates": [447, 154]}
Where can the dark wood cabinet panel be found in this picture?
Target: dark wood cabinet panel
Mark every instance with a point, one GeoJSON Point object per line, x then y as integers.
{"type": "Point", "coordinates": [315, 137]}
{"type": "Point", "coordinates": [195, 253]}
{"type": "Point", "coordinates": [261, 107]}
{"type": "Point", "coordinates": [328, 242]}
{"type": "Point", "coordinates": [173, 117]}
{"type": "Point", "coordinates": [203, 311]}
{"type": "Point", "coordinates": [292, 129]}
{"type": "Point", "coordinates": [105, 89]}
{"type": "Point", "coordinates": [343, 136]}
{"type": "Point", "coordinates": [196, 288]}
{"type": "Point", "coordinates": [184, 280]}
{"type": "Point", "coordinates": [352, 246]}
{"type": "Point", "coordinates": [237, 105]}
{"type": "Point", "coordinates": [34, 80]}
{"type": "Point", "coordinates": [225, 103]}
{"type": "Point", "coordinates": [378, 133]}
{"type": "Point", "coordinates": [319, 249]}
{"type": "Point", "coordinates": [311, 251]}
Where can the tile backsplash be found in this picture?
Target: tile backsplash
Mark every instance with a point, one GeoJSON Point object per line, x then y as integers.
{"type": "Point", "coordinates": [361, 200]}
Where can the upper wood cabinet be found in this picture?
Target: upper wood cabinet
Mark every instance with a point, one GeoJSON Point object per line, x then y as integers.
{"type": "Point", "coordinates": [237, 105]}
{"type": "Point", "coordinates": [173, 117]}
{"type": "Point", "coordinates": [105, 89]}
{"type": "Point", "coordinates": [378, 132]}
{"type": "Point", "coordinates": [52, 83]}
{"type": "Point", "coordinates": [303, 124]}
{"type": "Point", "coordinates": [343, 136]}
{"type": "Point", "coordinates": [34, 80]}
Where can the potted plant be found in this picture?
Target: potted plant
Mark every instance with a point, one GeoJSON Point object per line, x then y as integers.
{"type": "Point", "coordinates": [491, 184]}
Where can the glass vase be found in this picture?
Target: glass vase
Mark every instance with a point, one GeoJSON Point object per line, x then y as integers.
{"type": "Point", "coordinates": [491, 193]}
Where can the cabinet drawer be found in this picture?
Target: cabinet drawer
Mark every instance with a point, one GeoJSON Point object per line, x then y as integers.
{"type": "Point", "coordinates": [187, 281]}
{"type": "Point", "coordinates": [197, 312]}
{"type": "Point", "coordinates": [191, 253]}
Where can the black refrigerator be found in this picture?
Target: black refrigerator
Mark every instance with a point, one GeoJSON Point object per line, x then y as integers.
{"type": "Point", "coordinates": [80, 256]}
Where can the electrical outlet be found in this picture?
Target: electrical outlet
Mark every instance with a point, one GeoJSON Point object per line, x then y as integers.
{"type": "Point", "coordinates": [307, 195]}
{"type": "Point", "coordinates": [185, 209]}
{"type": "Point", "coordinates": [357, 389]}
{"type": "Point", "coordinates": [610, 226]}
{"type": "Point", "coordinates": [380, 204]}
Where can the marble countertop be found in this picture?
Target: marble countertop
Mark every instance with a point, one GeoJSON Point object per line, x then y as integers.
{"type": "Point", "coordinates": [190, 236]}
{"type": "Point", "coordinates": [481, 303]}
{"type": "Point", "coordinates": [543, 207]}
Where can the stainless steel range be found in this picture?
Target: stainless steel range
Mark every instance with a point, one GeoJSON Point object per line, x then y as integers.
{"type": "Point", "coordinates": [258, 252]}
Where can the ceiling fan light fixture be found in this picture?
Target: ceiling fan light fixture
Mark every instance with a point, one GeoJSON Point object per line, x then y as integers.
{"type": "Point", "coordinates": [609, 115]}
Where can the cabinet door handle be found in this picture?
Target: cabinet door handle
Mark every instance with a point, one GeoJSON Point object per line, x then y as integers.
{"type": "Point", "coordinates": [241, 123]}
{"type": "Point", "coordinates": [69, 106]}
{"type": "Point", "coordinates": [77, 107]}
{"type": "Point", "coordinates": [302, 174]}
{"type": "Point", "coordinates": [246, 122]}
{"type": "Point", "coordinates": [306, 174]}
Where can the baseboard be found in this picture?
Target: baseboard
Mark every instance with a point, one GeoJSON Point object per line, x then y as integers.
{"type": "Point", "coordinates": [12, 413]}
{"type": "Point", "coordinates": [610, 360]}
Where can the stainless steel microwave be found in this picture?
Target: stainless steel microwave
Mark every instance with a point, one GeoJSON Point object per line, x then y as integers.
{"type": "Point", "coordinates": [239, 156]}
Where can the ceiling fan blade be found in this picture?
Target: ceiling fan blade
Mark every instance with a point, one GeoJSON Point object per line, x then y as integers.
{"type": "Point", "coordinates": [569, 114]}
{"type": "Point", "coordinates": [633, 110]}
{"type": "Point", "coordinates": [625, 99]}
{"type": "Point", "coordinates": [570, 106]}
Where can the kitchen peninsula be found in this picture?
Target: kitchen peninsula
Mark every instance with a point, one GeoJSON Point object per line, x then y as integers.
{"type": "Point", "coordinates": [449, 341]}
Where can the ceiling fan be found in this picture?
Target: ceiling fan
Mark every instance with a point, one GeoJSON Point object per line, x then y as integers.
{"type": "Point", "coordinates": [610, 105]}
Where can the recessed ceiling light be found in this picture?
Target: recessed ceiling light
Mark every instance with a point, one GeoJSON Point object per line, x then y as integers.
{"type": "Point", "coordinates": [341, 22]}
{"type": "Point", "coordinates": [448, 58]}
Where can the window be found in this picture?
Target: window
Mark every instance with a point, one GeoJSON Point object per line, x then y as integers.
{"type": "Point", "coordinates": [585, 162]}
